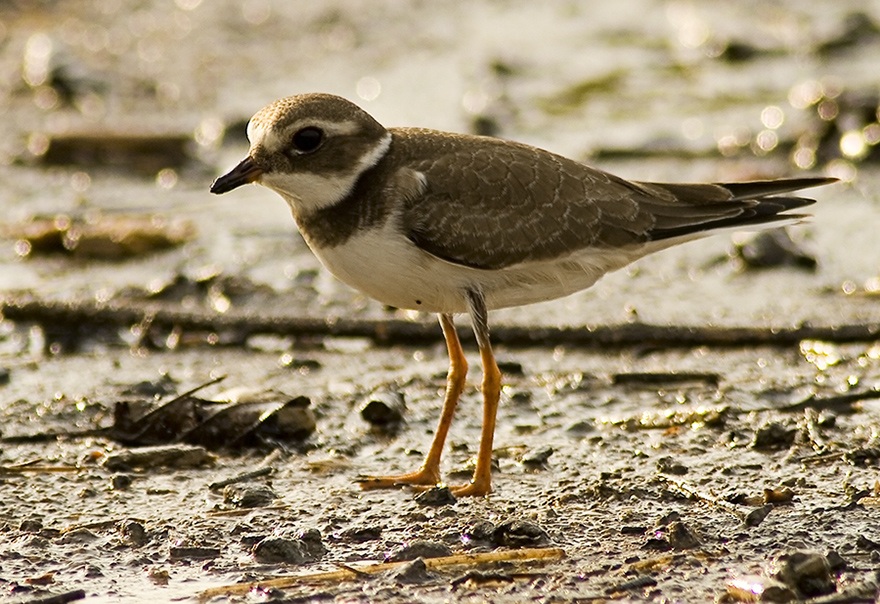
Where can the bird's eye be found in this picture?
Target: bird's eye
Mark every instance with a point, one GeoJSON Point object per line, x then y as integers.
{"type": "Point", "coordinates": [308, 139]}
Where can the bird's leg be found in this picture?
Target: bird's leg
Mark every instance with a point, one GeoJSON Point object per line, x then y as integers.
{"type": "Point", "coordinates": [481, 484]}
{"type": "Point", "coordinates": [429, 473]}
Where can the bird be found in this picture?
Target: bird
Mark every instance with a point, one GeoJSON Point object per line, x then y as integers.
{"type": "Point", "coordinates": [452, 223]}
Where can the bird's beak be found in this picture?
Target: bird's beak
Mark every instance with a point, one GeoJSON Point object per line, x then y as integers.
{"type": "Point", "coordinates": [245, 172]}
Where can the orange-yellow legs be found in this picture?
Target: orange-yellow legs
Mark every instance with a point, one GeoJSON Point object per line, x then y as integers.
{"type": "Point", "coordinates": [429, 473]}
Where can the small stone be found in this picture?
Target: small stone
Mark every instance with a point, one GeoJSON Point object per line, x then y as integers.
{"type": "Point", "coordinates": [133, 532]}
{"type": "Point", "coordinates": [412, 572]}
{"type": "Point", "coordinates": [773, 435]}
{"type": "Point", "coordinates": [418, 549]}
{"type": "Point", "coordinates": [435, 497]}
{"type": "Point", "coordinates": [384, 409]}
{"type": "Point", "coordinates": [273, 550]}
{"type": "Point", "coordinates": [170, 456]}
{"type": "Point", "coordinates": [5, 376]}
{"type": "Point", "coordinates": [774, 247]}
{"type": "Point", "coordinates": [668, 465]}
{"type": "Point", "coordinates": [537, 458]}
{"type": "Point", "coordinates": [78, 536]}
{"type": "Point", "coordinates": [31, 526]}
{"type": "Point", "coordinates": [312, 544]}
{"type": "Point", "coordinates": [361, 534]}
{"type": "Point", "coordinates": [248, 496]}
{"type": "Point", "coordinates": [681, 537]}
{"type": "Point", "coordinates": [519, 533]}
{"type": "Point", "coordinates": [511, 368]}
{"type": "Point", "coordinates": [807, 572]}
{"type": "Point", "coordinates": [478, 532]}
{"type": "Point", "coordinates": [120, 482]}
{"type": "Point", "coordinates": [756, 516]}
{"type": "Point", "coordinates": [90, 571]}
{"type": "Point", "coordinates": [669, 518]}
{"type": "Point", "coordinates": [657, 544]}
{"type": "Point", "coordinates": [580, 426]}
{"type": "Point", "coordinates": [865, 544]}
{"type": "Point", "coordinates": [836, 562]}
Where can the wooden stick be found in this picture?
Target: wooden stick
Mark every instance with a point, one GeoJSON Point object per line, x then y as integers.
{"type": "Point", "coordinates": [394, 331]}
{"type": "Point", "coordinates": [348, 573]}
{"type": "Point", "coordinates": [39, 469]}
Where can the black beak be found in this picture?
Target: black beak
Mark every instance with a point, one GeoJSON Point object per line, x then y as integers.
{"type": "Point", "coordinates": [245, 172]}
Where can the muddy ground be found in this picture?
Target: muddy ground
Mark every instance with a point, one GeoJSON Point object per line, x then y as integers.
{"type": "Point", "coordinates": [693, 428]}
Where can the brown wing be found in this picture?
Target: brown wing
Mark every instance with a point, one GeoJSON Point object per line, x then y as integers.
{"type": "Point", "coordinates": [490, 203]}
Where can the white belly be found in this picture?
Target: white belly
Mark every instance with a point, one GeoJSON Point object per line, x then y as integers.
{"type": "Point", "coordinates": [388, 267]}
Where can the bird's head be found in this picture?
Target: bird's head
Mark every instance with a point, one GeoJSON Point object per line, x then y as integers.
{"type": "Point", "coordinates": [311, 149]}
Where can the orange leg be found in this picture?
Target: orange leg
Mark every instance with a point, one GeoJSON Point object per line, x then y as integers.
{"type": "Point", "coordinates": [481, 483]}
{"type": "Point", "coordinates": [429, 473]}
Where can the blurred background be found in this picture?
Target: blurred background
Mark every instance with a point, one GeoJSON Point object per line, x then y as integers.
{"type": "Point", "coordinates": [119, 116]}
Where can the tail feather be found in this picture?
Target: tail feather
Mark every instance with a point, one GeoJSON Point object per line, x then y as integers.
{"type": "Point", "coordinates": [747, 204]}
{"type": "Point", "coordinates": [763, 188]}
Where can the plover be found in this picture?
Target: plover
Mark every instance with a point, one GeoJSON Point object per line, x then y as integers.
{"type": "Point", "coordinates": [452, 223]}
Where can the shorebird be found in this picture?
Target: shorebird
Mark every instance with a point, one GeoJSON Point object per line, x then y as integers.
{"type": "Point", "coordinates": [453, 223]}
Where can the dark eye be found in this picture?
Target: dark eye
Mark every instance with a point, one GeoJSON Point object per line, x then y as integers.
{"type": "Point", "coordinates": [308, 139]}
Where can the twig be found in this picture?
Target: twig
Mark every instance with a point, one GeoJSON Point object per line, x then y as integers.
{"type": "Point", "coordinates": [38, 469]}
{"type": "Point", "coordinates": [394, 331]}
{"type": "Point", "coordinates": [840, 402]}
{"type": "Point", "coordinates": [345, 574]}
{"type": "Point", "coordinates": [265, 471]}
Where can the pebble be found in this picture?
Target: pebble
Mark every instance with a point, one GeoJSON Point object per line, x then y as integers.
{"type": "Point", "coordinates": [809, 573]}
{"type": "Point", "coordinates": [478, 532]}
{"type": "Point", "coordinates": [248, 496]}
{"type": "Point", "coordinates": [418, 549]}
{"type": "Point", "coordinates": [273, 550]}
{"type": "Point", "coordinates": [413, 572]}
{"type": "Point", "coordinates": [435, 497]}
{"type": "Point", "coordinates": [756, 516]}
{"type": "Point", "coordinates": [169, 456]}
{"type": "Point", "coordinates": [78, 536]}
{"type": "Point", "coordinates": [773, 435]}
{"type": "Point", "coordinates": [772, 248]}
{"type": "Point", "coordinates": [133, 532]}
{"type": "Point", "coordinates": [537, 458]}
{"type": "Point", "coordinates": [120, 482]}
{"type": "Point", "coordinates": [384, 409]}
{"type": "Point", "coordinates": [520, 533]}
{"type": "Point", "coordinates": [362, 534]}
{"type": "Point", "coordinates": [312, 543]}
{"type": "Point", "coordinates": [31, 526]}
{"type": "Point", "coordinates": [681, 537]}
{"type": "Point", "coordinates": [668, 465]}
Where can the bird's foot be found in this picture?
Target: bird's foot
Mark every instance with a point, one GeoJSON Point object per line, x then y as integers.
{"type": "Point", "coordinates": [476, 488]}
{"type": "Point", "coordinates": [420, 478]}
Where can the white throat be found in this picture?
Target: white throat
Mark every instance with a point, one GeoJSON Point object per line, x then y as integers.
{"type": "Point", "coordinates": [308, 192]}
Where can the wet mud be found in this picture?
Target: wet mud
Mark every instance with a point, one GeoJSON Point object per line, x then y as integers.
{"type": "Point", "coordinates": [188, 398]}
